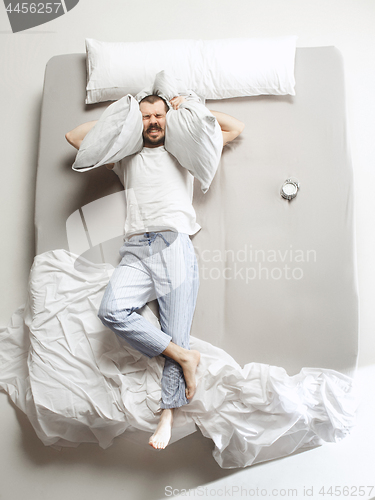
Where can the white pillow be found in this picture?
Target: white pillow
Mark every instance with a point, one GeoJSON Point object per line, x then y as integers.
{"type": "Point", "coordinates": [117, 134]}
{"type": "Point", "coordinates": [194, 137]}
{"type": "Point", "coordinates": [214, 69]}
{"type": "Point", "coordinates": [167, 87]}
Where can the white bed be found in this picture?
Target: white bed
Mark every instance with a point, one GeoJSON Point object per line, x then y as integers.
{"type": "Point", "coordinates": [278, 282]}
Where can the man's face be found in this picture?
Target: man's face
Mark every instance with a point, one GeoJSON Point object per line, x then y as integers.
{"type": "Point", "coordinates": [153, 123]}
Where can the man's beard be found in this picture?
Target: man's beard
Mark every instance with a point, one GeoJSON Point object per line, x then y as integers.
{"type": "Point", "coordinates": [154, 141]}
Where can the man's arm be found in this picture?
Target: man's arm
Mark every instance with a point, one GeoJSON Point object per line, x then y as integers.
{"type": "Point", "coordinates": [76, 136]}
{"type": "Point", "coordinates": [230, 126]}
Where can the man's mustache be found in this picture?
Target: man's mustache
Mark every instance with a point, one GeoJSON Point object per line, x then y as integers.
{"type": "Point", "coordinates": [153, 127]}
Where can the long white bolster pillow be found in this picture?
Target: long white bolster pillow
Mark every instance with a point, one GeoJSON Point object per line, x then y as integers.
{"type": "Point", "coordinates": [214, 69]}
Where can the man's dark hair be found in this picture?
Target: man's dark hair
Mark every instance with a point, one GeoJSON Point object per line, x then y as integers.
{"type": "Point", "coordinates": [154, 98]}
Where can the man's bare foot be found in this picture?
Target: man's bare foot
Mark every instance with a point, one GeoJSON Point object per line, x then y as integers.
{"type": "Point", "coordinates": [188, 360]}
{"type": "Point", "coordinates": [189, 367]}
{"type": "Point", "coordinates": [162, 435]}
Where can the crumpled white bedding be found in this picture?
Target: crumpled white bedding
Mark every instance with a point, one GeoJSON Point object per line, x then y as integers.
{"type": "Point", "coordinates": [77, 382]}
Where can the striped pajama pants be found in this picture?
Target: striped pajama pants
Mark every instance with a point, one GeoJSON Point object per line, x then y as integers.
{"type": "Point", "coordinates": [158, 266]}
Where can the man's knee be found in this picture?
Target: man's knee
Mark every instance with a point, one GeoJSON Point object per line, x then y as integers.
{"type": "Point", "coordinates": [111, 316]}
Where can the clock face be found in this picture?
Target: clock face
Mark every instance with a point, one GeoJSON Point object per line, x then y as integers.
{"type": "Point", "coordinates": [289, 189]}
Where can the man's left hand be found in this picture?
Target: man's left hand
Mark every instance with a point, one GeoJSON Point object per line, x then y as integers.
{"type": "Point", "coordinates": [176, 101]}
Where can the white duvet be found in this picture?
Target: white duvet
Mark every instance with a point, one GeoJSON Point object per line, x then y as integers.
{"type": "Point", "coordinates": [77, 382]}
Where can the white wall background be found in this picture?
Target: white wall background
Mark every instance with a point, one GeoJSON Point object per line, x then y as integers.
{"type": "Point", "coordinates": [28, 469]}
{"type": "Point", "coordinates": [346, 24]}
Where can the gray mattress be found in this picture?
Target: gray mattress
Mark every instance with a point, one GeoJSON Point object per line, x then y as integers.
{"type": "Point", "coordinates": [278, 278]}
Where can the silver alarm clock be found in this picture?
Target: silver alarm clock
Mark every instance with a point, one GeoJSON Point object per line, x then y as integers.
{"type": "Point", "coordinates": [289, 189]}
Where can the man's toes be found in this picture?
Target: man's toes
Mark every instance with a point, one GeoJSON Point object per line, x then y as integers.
{"type": "Point", "coordinates": [189, 392]}
{"type": "Point", "coordinates": [157, 445]}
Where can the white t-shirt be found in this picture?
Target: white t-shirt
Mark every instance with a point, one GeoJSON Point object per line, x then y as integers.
{"type": "Point", "coordinates": [158, 192]}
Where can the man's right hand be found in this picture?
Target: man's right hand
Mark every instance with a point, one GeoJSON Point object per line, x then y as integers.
{"type": "Point", "coordinates": [76, 136]}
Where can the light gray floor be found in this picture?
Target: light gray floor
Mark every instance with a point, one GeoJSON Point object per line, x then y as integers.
{"type": "Point", "coordinates": [29, 470]}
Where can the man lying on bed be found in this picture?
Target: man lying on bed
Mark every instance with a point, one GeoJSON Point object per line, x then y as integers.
{"type": "Point", "coordinates": [158, 259]}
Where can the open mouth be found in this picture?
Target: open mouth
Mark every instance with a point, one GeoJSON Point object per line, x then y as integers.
{"type": "Point", "coordinates": [153, 130]}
